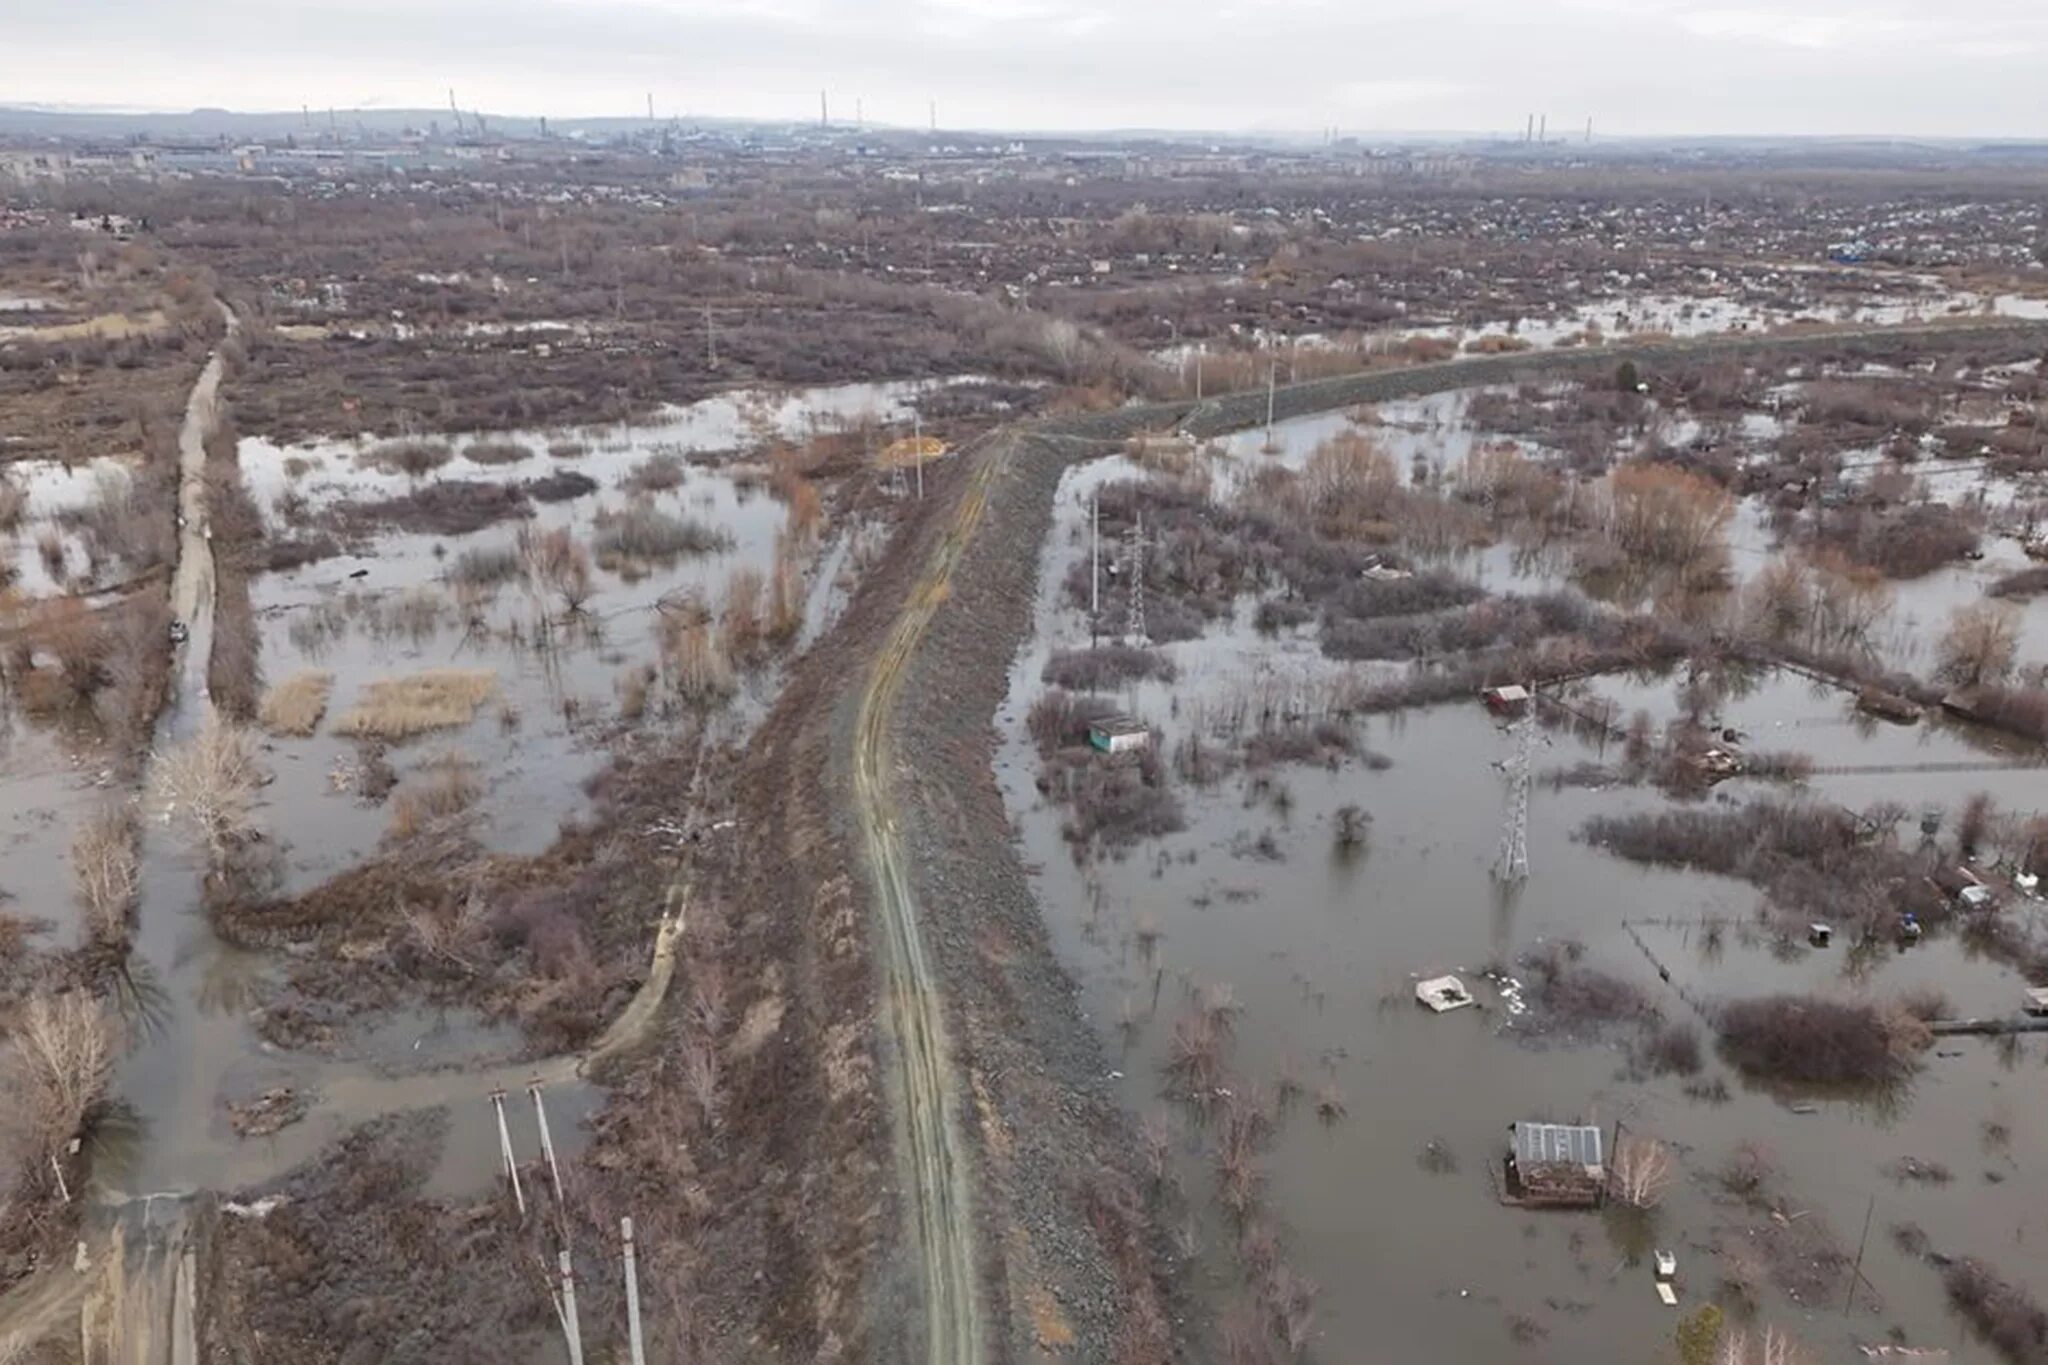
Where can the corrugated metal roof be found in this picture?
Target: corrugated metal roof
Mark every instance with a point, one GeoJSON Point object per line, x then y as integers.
{"type": "Point", "coordinates": [1539, 1143]}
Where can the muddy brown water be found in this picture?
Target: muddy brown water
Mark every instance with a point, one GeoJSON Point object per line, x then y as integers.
{"type": "Point", "coordinates": [1323, 951]}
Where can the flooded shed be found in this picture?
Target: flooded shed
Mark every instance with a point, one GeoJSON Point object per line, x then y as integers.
{"type": "Point", "coordinates": [1119, 734]}
{"type": "Point", "coordinates": [1555, 1165]}
{"type": "Point", "coordinates": [1506, 701]}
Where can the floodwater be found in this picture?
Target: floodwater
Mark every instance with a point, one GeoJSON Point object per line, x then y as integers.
{"type": "Point", "coordinates": [384, 612]}
{"type": "Point", "coordinates": [1322, 952]}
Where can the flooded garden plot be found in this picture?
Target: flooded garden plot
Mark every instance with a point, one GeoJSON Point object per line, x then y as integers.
{"type": "Point", "coordinates": [1248, 912]}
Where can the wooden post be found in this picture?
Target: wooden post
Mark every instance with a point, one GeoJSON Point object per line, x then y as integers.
{"type": "Point", "coordinates": [633, 1340]}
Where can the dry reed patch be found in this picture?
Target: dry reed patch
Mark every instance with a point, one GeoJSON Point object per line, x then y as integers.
{"type": "Point", "coordinates": [401, 708]}
{"type": "Point", "coordinates": [294, 707]}
{"type": "Point", "coordinates": [445, 788]}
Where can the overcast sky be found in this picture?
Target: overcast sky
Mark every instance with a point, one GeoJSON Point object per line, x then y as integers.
{"type": "Point", "coordinates": [1959, 67]}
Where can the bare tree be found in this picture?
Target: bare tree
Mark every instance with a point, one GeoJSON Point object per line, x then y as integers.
{"type": "Point", "coordinates": [1642, 1171]}
{"type": "Point", "coordinates": [1979, 646]}
{"type": "Point", "coordinates": [1779, 1348]}
{"type": "Point", "coordinates": [105, 869]}
{"type": "Point", "coordinates": [209, 782]}
{"type": "Point", "coordinates": [58, 1071]}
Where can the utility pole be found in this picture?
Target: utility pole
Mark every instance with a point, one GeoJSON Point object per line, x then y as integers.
{"type": "Point", "coordinates": [547, 1141]}
{"type": "Point", "coordinates": [565, 1308]}
{"type": "Point", "coordinates": [633, 1342]}
{"type": "Point", "coordinates": [511, 1163]}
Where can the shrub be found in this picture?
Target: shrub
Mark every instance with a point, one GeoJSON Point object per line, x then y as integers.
{"type": "Point", "coordinates": [1105, 666]}
{"type": "Point", "coordinates": [2021, 710]}
{"type": "Point", "coordinates": [2025, 583]}
{"type": "Point", "coordinates": [448, 507]}
{"type": "Point", "coordinates": [1578, 994]}
{"type": "Point", "coordinates": [656, 474]}
{"type": "Point", "coordinates": [294, 707]}
{"type": "Point", "coordinates": [739, 616]}
{"type": "Point", "coordinates": [703, 671]}
{"type": "Point", "coordinates": [1059, 719]}
{"type": "Point", "coordinates": [2004, 1313]}
{"type": "Point", "coordinates": [641, 533]}
{"type": "Point", "coordinates": [1673, 1048]}
{"type": "Point", "coordinates": [1810, 1040]}
{"type": "Point", "coordinates": [497, 452]}
{"type": "Point", "coordinates": [485, 566]}
{"type": "Point", "coordinates": [447, 788]}
{"type": "Point", "coordinates": [411, 457]}
{"type": "Point", "coordinates": [106, 870]}
{"type": "Point", "coordinates": [401, 708]}
{"type": "Point", "coordinates": [1115, 805]}
{"type": "Point", "coordinates": [1979, 645]}
{"type": "Point", "coordinates": [560, 486]}
{"type": "Point", "coordinates": [13, 502]}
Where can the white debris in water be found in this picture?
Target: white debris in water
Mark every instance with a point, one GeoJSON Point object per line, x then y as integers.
{"type": "Point", "coordinates": [261, 1208]}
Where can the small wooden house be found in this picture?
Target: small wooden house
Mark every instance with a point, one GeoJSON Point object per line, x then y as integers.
{"type": "Point", "coordinates": [1119, 734]}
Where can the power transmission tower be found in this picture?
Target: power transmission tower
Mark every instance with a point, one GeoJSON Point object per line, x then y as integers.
{"type": "Point", "coordinates": [1134, 554]}
{"type": "Point", "coordinates": [1513, 863]}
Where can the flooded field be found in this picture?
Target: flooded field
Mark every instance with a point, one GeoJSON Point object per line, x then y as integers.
{"type": "Point", "coordinates": [1389, 1200]}
{"type": "Point", "coordinates": [555, 687]}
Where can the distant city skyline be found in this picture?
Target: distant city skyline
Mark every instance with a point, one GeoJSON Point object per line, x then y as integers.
{"type": "Point", "coordinates": [1636, 67]}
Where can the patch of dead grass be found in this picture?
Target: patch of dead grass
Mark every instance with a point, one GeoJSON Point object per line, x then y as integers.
{"type": "Point", "coordinates": [294, 707]}
{"type": "Point", "coordinates": [401, 708]}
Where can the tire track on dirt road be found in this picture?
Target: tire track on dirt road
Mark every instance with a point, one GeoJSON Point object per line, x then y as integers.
{"type": "Point", "coordinates": [927, 1127]}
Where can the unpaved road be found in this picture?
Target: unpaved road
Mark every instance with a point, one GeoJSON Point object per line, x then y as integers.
{"type": "Point", "coordinates": [192, 585]}
{"type": "Point", "coordinates": [927, 1126]}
